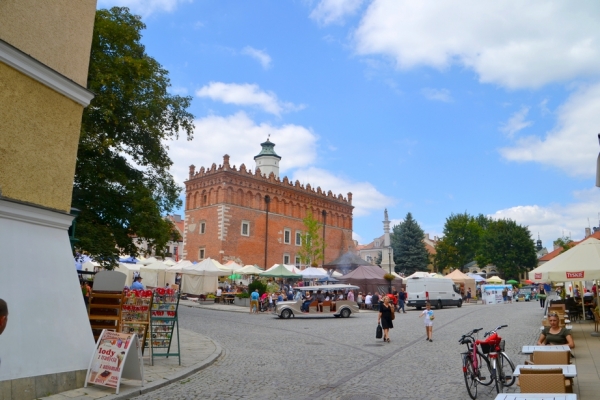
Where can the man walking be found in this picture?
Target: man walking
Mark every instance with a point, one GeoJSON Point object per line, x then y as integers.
{"type": "Point", "coordinates": [254, 302]}
{"type": "Point", "coordinates": [401, 300]}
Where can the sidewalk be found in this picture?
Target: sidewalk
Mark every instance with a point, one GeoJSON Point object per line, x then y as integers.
{"type": "Point", "coordinates": [587, 360]}
{"type": "Point", "coordinates": [197, 352]}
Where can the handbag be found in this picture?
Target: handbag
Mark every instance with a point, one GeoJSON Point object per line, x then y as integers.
{"type": "Point", "coordinates": [379, 332]}
{"type": "Point", "coordinates": [393, 313]}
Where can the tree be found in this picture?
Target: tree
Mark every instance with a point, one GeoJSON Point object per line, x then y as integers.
{"type": "Point", "coordinates": [122, 182]}
{"type": "Point", "coordinates": [564, 243]}
{"type": "Point", "coordinates": [461, 240]}
{"type": "Point", "coordinates": [509, 247]}
{"type": "Point", "coordinates": [410, 253]}
{"type": "Point", "coordinates": [311, 249]}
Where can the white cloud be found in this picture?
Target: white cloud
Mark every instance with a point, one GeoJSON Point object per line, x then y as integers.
{"type": "Point", "coordinates": [246, 94]}
{"type": "Point", "coordinates": [365, 197]}
{"type": "Point", "coordinates": [240, 137]}
{"type": "Point", "coordinates": [334, 11]}
{"type": "Point", "coordinates": [572, 145]}
{"type": "Point", "coordinates": [260, 55]}
{"type": "Point", "coordinates": [512, 43]}
{"type": "Point", "coordinates": [516, 122]}
{"type": "Point", "coordinates": [437, 94]}
{"type": "Point", "coordinates": [555, 220]}
{"type": "Point", "coordinates": [143, 7]}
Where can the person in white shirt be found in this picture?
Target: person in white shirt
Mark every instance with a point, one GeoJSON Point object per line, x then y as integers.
{"type": "Point", "coordinates": [350, 295]}
{"type": "Point", "coordinates": [219, 292]}
{"type": "Point", "coordinates": [368, 301]}
{"type": "Point", "coordinates": [509, 294]}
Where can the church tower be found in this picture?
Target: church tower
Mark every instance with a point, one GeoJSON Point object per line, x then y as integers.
{"type": "Point", "coordinates": [267, 160]}
{"type": "Point", "coordinates": [387, 253]}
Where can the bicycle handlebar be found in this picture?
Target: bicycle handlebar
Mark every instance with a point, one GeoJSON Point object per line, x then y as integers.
{"type": "Point", "coordinates": [494, 330]}
{"type": "Point", "coordinates": [468, 335]}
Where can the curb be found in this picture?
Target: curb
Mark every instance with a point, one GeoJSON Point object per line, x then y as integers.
{"type": "Point", "coordinates": [184, 373]}
{"type": "Point", "coordinates": [213, 309]}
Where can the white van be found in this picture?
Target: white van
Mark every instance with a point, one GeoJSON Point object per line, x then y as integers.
{"type": "Point", "coordinates": [439, 291]}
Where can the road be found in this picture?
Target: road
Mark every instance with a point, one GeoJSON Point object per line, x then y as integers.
{"type": "Point", "coordinates": [333, 358]}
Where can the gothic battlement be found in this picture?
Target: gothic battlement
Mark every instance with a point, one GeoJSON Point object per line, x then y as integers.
{"type": "Point", "coordinates": [247, 172]}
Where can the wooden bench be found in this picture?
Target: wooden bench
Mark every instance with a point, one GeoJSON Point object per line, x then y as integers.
{"type": "Point", "coordinates": [326, 306]}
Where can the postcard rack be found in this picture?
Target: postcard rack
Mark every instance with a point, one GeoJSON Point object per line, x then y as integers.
{"type": "Point", "coordinates": [164, 324]}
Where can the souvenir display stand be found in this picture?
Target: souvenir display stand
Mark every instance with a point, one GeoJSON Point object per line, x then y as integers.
{"type": "Point", "coordinates": [135, 313]}
{"type": "Point", "coordinates": [163, 323]}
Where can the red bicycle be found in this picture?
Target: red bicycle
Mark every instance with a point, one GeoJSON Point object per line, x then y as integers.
{"type": "Point", "coordinates": [491, 352]}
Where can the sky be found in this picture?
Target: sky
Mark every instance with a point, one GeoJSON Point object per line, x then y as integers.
{"type": "Point", "coordinates": [429, 107]}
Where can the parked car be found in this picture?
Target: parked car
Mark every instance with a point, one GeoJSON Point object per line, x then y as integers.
{"type": "Point", "coordinates": [440, 292]}
{"type": "Point", "coordinates": [293, 308]}
{"type": "Point", "coordinates": [524, 294]}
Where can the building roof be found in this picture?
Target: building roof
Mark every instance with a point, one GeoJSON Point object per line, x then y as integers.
{"type": "Point", "coordinates": [267, 150]}
{"type": "Point", "coordinates": [556, 252]}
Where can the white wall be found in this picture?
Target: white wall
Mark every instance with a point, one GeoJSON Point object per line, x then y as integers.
{"type": "Point", "coordinates": [48, 330]}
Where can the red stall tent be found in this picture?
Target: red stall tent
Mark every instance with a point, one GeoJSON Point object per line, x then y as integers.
{"type": "Point", "coordinates": [370, 279]}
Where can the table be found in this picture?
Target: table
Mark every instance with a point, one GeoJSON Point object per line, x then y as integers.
{"type": "Point", "coordinates": [536, 396]}
{"type": "Point", "coordinates": [228, 298]}
{"type": "Point", "coordinates": [531, 349]}
{"type": "Point", "coordinates": [569, 371]}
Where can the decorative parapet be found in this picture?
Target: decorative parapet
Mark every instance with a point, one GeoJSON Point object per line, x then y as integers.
{"type": "Point", "coordinates": [245, 172]}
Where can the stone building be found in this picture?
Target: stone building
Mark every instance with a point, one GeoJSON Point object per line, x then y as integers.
{"type": "Point", "coordinates": [234, 213]}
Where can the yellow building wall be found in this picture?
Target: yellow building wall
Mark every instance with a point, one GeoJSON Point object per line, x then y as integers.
{"type": "Point", "coordinates": [57, 33]}
{"type": "Point", "coordinates": [39, 134]}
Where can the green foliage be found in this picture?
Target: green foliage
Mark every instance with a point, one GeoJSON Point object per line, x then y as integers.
{"type": "Point", "coordinates": [565, 243]}
{"type": "Point", "coordinates": [509, 247]}
{"type": "Point", "coordinates": [461, 241]}
{"type": "Point", "coordinates": [311, 249]}
{"type": "Point", "coordinates": [243, 295]}
{"type": "Point", "coordinates": [410, 253]}
{"type": "Point", "coordinates": [257, 284]}
{"type": "Point", "coordinates": [272, 287]}
{"type": "Point", "coordinates": [122, 182]}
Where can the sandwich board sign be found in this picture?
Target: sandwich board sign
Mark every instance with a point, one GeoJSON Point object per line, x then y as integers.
{"type": "Point", "coordinates": [116, 356]}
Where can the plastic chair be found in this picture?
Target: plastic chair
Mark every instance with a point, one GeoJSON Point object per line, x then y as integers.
{"type": "Point", "coordinates": [542, 383]}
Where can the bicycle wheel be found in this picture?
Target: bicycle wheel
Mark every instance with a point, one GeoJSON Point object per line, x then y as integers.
{"type": "Point", "coordinates": [506, 369]}
{"type": "Point", "coordinates": [483, 360]}
{"type": "Point", "coordinates": [496, 376]}
{"type": "Point", "coordinates": [470, 376]}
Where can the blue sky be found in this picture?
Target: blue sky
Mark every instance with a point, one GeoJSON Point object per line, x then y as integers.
{"type": "Point", "coordinates": [432, 107]}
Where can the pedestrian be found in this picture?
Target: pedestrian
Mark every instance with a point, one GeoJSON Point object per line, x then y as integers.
{"type": "Point", "coordinates": [386, 313]}
{"type": "Point", "coordinates": [509, 294]}
{"type": "Point", "coordinates": [401, 300]}
{"type": "Point", "coordinates": [368, 301]}
{"type": "Point", "coordinates": [375, 301]}
{"type": "Point", "coordinates": [542, 296]}
{"type": "Point", "coordinates": [468, 295]}
{"type": "Point", "coordinates": [3, 318]}
{"type": "Point", "coordinates": [504, 294]}
{"type": "Point", "coordinates": [428, 318]}
{"type": "Point", "coordinates": [351, 295]}
{"type": "Point", "coordinates": [3, 315]}
{"type": "Point", "coordinates": [254, 302]}
{"type": "Point", "coordinates": [360, 300]}
{"type": "Point", "coordinates": [137, 284]}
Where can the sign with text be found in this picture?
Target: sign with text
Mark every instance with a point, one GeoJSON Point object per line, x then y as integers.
{"type": "Point", "coordinates": [575, 275]}
{"type": "Point", "coordinates": [538, 276]}
{"type": "Point", "coordinates": [115, 354]}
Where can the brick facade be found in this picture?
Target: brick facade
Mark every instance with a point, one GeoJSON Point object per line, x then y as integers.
{"type": "Point", "coordinates": [221, 200]}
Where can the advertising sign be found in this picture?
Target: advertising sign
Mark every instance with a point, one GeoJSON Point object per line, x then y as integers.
{"type": "Point", "coordinates": [114, 354]}
{"type": "Point", "coordinates": [575, 275]}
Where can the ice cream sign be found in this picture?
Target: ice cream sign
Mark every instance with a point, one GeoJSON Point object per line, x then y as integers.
{"type": "Point", "coordinates": [113, 360]}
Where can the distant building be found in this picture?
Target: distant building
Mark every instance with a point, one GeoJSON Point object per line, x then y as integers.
{"type": "Point", "coordinates": [257, 217]}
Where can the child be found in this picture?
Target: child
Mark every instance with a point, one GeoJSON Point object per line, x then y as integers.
{"type": "Point", "coordinates": [428, 321]}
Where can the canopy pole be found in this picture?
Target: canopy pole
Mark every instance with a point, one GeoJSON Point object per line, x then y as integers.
{"type": "Point", "coordinates": [596, 334]}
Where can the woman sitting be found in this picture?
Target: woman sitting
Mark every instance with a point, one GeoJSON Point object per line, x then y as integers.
{"type": "Point", "coordinates": [555, 335]}
{"type": "Point", "coordinates": [320, 299]}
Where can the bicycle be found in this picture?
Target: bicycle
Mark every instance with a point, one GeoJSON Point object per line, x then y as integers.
{"type": "Point", "coordinates": [502, 368]}
{"type": "Point", "coordinates": [472, 361]}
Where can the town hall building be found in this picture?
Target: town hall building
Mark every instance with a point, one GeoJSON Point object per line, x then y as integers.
{"type": "Point", "coordinates": [256, 217]}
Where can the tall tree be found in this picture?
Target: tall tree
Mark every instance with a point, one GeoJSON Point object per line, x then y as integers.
{"type": "Point", "coordinates": [410, 253]}
{"type": "Point", "coordinates": [122, 185]}
{"type": "Point", "coordinates": [461, 240]}
{"type": "Point", "coordinates": [311, 249]}
{"type": "Point", "coordinates": [509, 247]}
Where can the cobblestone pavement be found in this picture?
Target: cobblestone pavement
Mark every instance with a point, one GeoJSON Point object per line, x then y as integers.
{"type": "Point", "coordinates": [333, 358]}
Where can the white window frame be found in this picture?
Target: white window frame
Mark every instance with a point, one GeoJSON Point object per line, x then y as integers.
{"type": "Point", "coordinates": [202, 227]}
{"type": "Point", "coordinates": [298, 238]}
{"type": "Point", "coordinates": [289, 236]}
{"type": "Point", "coordinates": [298, 261]}
{"type": "Point", "coordinates": [202, 253]}
{"type": "Point", "coordinates": [247, 224]}
{"type": "Point", "coordinates": [286, 255]}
